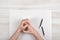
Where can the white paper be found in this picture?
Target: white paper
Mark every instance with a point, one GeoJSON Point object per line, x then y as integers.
{"type": "Point", "coordinates": [35, 16]}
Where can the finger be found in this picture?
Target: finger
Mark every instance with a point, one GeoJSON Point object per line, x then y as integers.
{"type": "Point", "coordinates": [24, 19]}
{"type": "Point", "coordinates": [25, 26]}
{"type": "Point", "coordinates": [25, 22]}
{"type": "Point", "coordinates": [26, 31]}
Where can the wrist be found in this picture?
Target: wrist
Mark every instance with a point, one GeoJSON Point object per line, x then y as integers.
{"type": "Point", "coordinates": [35, 33]}
{"type": "Point", "coordinates": [37, 36]}
{"type": "Point", "coordinates": [19, 30]}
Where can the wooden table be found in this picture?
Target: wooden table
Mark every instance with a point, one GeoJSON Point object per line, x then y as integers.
{"type": "Point", "coordinates": [4, 16]}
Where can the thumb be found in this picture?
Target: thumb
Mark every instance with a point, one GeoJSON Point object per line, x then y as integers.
{"type": "Point", "coordinates": [26, 31]}
{"type": "Point", "coordinates": [25, 27]}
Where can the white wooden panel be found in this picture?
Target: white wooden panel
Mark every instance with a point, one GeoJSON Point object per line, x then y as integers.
{"type": "Point", "coordinates": [4, 24]}
{"type": "Point", "coordinates": [56, 25]}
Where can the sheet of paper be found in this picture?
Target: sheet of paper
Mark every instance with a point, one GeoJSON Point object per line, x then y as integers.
{"type": "Point", "coordinates": [35, 16]}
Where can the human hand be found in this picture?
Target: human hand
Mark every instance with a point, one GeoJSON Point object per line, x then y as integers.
{"type": "Point", "coordinates": [28, 28]}
{"type": "Point", "coordinates": [25, 27]}
{"type": "Point", "coordinates": [22, 24]}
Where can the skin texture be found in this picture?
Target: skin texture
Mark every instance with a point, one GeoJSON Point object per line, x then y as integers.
{"type": "Point", "coordinates": [25, 27]}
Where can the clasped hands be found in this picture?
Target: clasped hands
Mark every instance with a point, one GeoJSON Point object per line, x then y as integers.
{"type": "Point", "coordinates": [26, 27]}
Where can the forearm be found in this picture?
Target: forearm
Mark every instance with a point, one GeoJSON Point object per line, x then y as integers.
{"type": "Point", "coordinates": [37, 36]}
{"type": "Point", "coordinates": [15, 35]}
